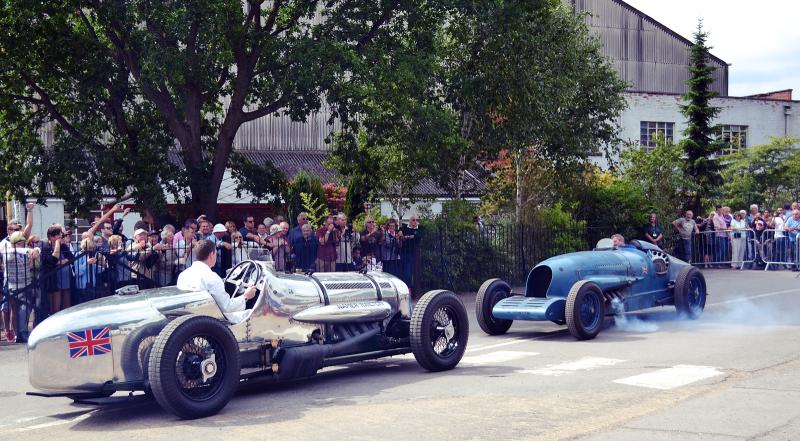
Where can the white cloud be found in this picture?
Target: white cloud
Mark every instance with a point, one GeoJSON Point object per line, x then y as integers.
{"type": "Point", "coordinates": [760, 39]}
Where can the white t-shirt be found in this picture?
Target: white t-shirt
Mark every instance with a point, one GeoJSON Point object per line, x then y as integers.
{"type": "Point", "coordinates": [778, 226]}
{"type": "Point", "coordinates": [199, 277]}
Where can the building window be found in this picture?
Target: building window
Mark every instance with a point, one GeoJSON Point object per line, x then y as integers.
{"type": "Point", "coordinates": [734, 139]}
{"type": "Point", "coordinates": [651, 131]}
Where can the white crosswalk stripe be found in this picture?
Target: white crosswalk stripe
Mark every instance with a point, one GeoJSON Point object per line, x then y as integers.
{"type": "Point", "coordinates": [670, 378]}
{"type": "Point", "coordinates": [583, 364]}
{"type": "Point", "coordinates": [497, 357]}
{"type": "Point", "coordinates": [502, 343]}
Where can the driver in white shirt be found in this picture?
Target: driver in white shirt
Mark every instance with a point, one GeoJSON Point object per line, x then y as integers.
{"type": "Point", "coordinates": [200, 277]}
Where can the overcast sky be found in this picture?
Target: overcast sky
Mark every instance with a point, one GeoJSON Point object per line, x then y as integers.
{"type": "Point", "coordinates": [760, 39]}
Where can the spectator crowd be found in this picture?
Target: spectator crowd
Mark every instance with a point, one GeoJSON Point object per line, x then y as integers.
{"type": "Point", "coordinates": [740, 239]}
{"type": "Point", "coordinates": [49, 274]}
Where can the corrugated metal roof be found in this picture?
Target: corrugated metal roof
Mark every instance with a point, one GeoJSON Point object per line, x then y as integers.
{"type": "Point", "coordinates": [291, 162]}
{"type": "Point", "coordinates": [648, 55]}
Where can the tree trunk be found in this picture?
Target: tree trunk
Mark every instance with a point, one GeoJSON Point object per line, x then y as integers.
{"type": "Point", "coordinates": [518, 186]}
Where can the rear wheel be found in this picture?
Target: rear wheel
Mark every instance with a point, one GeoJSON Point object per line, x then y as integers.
{"type": "Point", "coordinates": [491, 292]}
{"type": "Point", "coordinates": [194, 366]}
{"type": "Point", "coordinates": [690, 292]}
{"type": "Point", "coordinates": [585, 310]}
{"type": "Point", "coordinates": [439, 330]}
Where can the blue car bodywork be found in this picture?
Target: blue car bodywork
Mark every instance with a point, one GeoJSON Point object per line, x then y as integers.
{"type": "Point", "coordinates": [601, 282]}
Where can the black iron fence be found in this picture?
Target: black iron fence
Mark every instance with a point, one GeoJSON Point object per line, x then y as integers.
{"type": "Point", "coordinates": [462, 258]}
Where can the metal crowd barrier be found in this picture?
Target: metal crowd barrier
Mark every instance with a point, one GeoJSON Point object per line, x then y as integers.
{"type": "Point", "coordinates": [714, 249]}
{"type": "Point", "coordinates": [777, 248]}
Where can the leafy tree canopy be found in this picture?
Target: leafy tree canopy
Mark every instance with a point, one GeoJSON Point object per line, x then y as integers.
{"type": "Point", "coordinates": [521, 76]}
{"type": "Point", "coordinates": [661, 176]}
{"type": "Point", "coordinates": [123, 82]}
{"type": "Point", "coordinates": [768, 175]}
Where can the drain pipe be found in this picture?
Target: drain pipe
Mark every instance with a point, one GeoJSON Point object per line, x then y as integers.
{"type": "Point", "coordinates": [787, 110]}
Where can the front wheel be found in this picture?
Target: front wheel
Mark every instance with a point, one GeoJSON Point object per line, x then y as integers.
{"type": "Point", "coordinates": [491, 292]}
{"type": "Point", "coordinates": [194, 366]}
{"type": "Point", "coordinates": [690, 292]}
{"type": "Point", "coordinates": [439, 330]}
{"type": "Point", "coordinates": [585, 310]}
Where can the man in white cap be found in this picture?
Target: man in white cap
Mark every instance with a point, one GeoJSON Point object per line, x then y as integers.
{"type": "Point", "coordinates": [200, 277]}
{"type": "Point", "coordinates": [218, 238]}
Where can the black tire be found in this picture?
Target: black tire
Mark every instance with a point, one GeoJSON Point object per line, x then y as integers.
{"type": "Point", "coordinates": [491, 292]}
{"type": "Point", "coordinates": [690, 292]}
{"type": "Point", "coordinates": [585, 310]}
{"type": "Point", "coordinates": [135, 357]}
{"type": "Point", "coordinates": [175, 367]}
{"type": "Point", "coordinates": [439, 330]}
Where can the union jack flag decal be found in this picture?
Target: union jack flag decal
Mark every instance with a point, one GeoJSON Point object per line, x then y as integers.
{"type": "Point", "coordinates": [89, 342]}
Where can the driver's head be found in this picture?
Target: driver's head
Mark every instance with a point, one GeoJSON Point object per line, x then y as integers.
{"type": "Point", "coordinates": [618, 240]}
{"type": "Point", "coordinates": [205, 251]}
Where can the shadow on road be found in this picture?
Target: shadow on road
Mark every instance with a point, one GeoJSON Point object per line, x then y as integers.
{"type": "Point", "coordinates": [263, 401]}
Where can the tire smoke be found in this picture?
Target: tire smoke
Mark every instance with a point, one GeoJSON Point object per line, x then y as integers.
{"type": "Point", "coordinates": [629, 324]}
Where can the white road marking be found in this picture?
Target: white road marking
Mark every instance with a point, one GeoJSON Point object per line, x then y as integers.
{"type": "Point", "coordinates": [495, 345]}
{"type": "Point", "coordinates": [77, 419]}
{"type": "Point", "coordinates": [766, 294]}
{"type": "Point", "coordinates": [332, 368]}
{"type": "Point", "coordinates": [583, 364]}
{"type": "Point", "coordinates": [497, 357]}
{"type": "Point", "coordinates": [670, 378]}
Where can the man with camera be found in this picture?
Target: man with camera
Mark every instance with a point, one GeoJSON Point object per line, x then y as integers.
{"type": "Point", "coordinates": [349, 240]}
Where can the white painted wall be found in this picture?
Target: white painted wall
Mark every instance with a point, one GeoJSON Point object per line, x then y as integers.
{"type": "Point", "coordinates": [421, 208]}
{"type": "Point", "coordinates": [43, 216]}
{"type": "Point", "coordinates": [764, 118]}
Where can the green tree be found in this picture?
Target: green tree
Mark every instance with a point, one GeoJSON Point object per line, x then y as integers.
{"type": "Point", "coordinates": [616, 205]}
{"type": "Point", "coordinates": [524, 76]}
{"type": "Point", "coordinates": [529, 77]}
{"type": "Point", "coordinates": [660, 174]}
{"type": "Point", "coordinates": [303, 183]}
{"type": "Point", "coordinates": [768, 175]}
{"type": "Point", "coordinates": [702, 140]}
{"type": "Point", "coordinates": [126, 81]}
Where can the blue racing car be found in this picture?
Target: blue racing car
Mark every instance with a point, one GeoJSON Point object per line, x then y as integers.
{"type": "Point", "coordinates": [580, 289]}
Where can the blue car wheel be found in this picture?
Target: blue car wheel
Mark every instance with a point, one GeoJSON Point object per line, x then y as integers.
{"type": "Point", "coordinates": [491, 292]}
{"type": "Point", "coordinates": [585, 310]}
{"type": "Point", "coordinates": [690, 292]}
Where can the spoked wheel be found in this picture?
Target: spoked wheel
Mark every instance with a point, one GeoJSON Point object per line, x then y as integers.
{"type": "Point", "coordinates": [690, 292]}
{"type": "Point", "coordinates": [194, 366]}
{"type": "Point", "coordinates": [491, 292]}
{"type": "Point", "coordinates": [439, 330]}
{"type": "Point", "coordinates": [585, 310]}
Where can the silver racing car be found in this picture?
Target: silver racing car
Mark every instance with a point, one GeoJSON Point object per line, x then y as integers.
{"type": "Point", "coordinates": [178, 346]}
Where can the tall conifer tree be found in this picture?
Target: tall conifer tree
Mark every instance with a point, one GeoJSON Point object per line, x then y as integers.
{"type": "Point", "coordinates": [702, 138]}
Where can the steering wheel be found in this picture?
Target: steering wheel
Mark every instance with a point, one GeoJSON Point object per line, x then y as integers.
{"type": "Point", "coordinates": [242, 277]}
{"type": "Point", "coordinates": [240, 287]}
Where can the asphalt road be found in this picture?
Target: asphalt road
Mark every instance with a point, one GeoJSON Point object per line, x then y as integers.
{"type": "Point", "coordinates": [733, 374]}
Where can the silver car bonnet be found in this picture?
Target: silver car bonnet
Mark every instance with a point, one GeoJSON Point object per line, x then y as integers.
{"type": "Point", "coordinates": [49, 363]}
